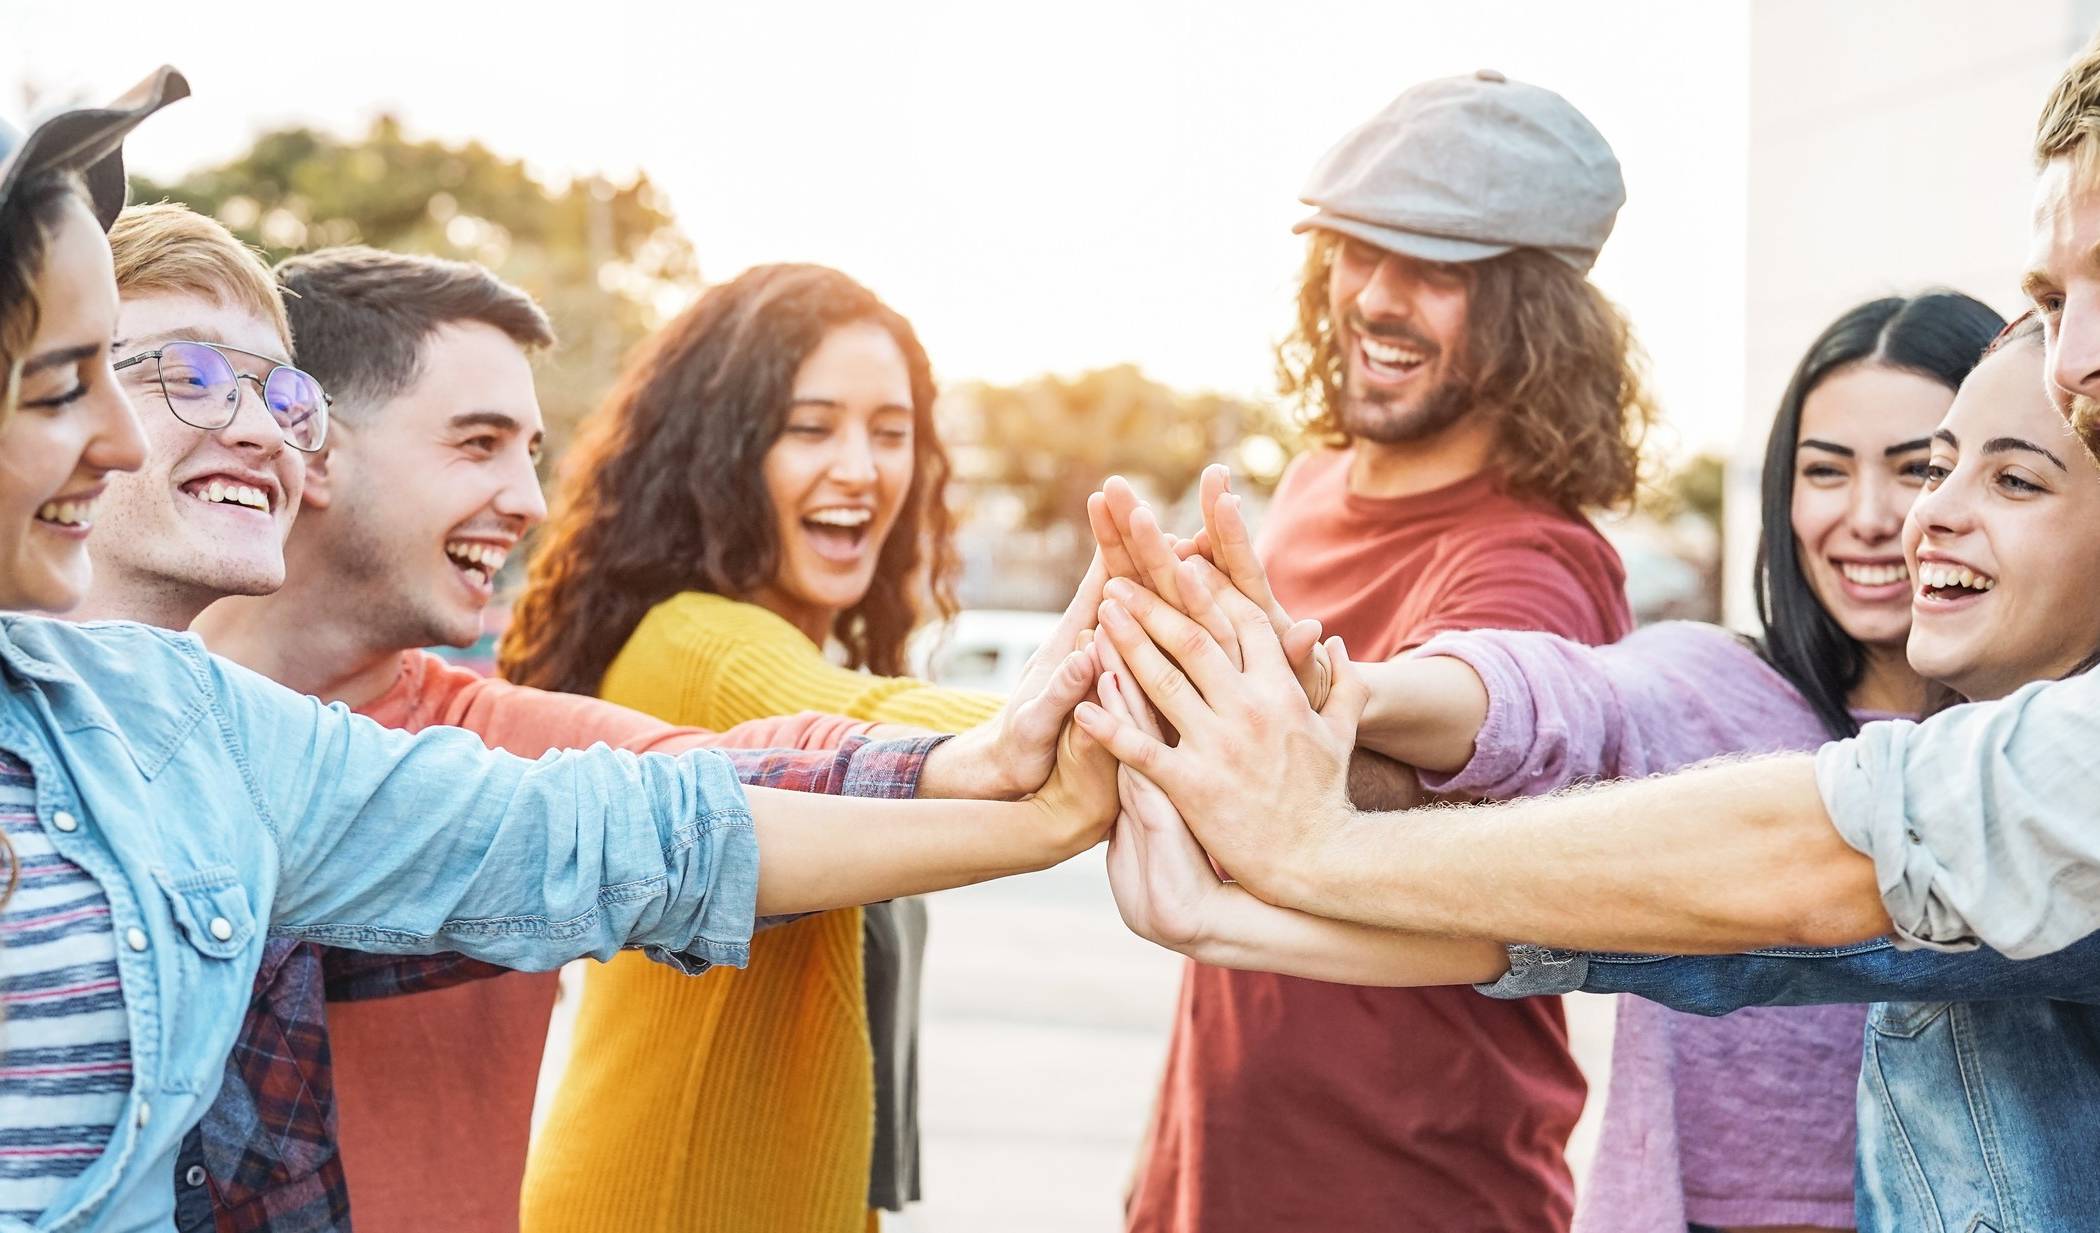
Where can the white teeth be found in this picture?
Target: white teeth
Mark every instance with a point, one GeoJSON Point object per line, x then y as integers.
{"type": "Point", "coordinates": [66, 513]}
{"type": "Point", "coordinates": [219, 492]}
{"type": "Point", "coordinates": [848, 518]}
{"type": "Point", "coordinates": [1874, 575]}
{"type": "Point", "coordinates": [1933, 575]}
{"type": "Point", "coordinates": [1386, 353]}
{"type": "Point", "coordinates": [485, 559]}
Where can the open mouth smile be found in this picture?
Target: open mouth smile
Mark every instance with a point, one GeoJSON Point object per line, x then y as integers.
{"type": "Point", "coordinates": [222, 490]}
{"type": "Point", "coordinates": [839, 533]}
{"type": "Point", "coordinates": [477, 560]}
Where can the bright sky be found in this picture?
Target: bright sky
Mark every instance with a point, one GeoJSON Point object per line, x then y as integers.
{"type": "Point", "coordinates": [1040, 187]}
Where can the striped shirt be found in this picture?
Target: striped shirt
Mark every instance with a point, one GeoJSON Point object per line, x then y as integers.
{"type": "Point", "coordinates": [65, 1046]}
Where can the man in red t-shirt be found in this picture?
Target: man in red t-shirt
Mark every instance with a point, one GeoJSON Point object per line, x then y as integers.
{"type": "Point", "coordinates": [1476, 392]}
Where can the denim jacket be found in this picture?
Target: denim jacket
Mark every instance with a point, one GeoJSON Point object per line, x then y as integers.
{"type": "Point", "coordinates": [1978, 1102]}
{"type": "Point", "coordinates": [214, 807]}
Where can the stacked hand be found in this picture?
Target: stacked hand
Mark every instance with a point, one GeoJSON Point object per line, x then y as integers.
{"type": "Point", "coordinates": [1233, 724]}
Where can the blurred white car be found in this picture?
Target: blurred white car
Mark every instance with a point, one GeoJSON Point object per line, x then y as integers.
{"type": "Point", "coordinates": [982, 648]}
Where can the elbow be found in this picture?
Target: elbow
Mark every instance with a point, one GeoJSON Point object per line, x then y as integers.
{"type": "Point", "coordinates": [1839, 906]}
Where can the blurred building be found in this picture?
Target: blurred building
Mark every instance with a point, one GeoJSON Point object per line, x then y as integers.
{"type": "Point", "coordinates": [1888, 152]}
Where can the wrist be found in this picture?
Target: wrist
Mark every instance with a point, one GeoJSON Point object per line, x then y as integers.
{"type": "Point", "coordinates": [964, 767]}
{"type": "Point", "coordinates": [1305, 870]}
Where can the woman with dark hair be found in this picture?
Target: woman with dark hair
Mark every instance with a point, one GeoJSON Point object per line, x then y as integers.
{"type": "Point", "coordinates": [765, 479]}
{"type": "Point", "coordinates": [1744, 1122]}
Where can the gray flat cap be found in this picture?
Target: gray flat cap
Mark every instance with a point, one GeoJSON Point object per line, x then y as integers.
{"type": "Point", "coordinates": [1466, 168]}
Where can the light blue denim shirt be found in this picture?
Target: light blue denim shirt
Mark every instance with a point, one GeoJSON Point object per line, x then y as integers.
{"type": "Point", "coordinates": [1983, 822]}
{"type": "Point", "coordinates": [1979, 1094]}
{"type": "Point", "coordinates": [214, 806]}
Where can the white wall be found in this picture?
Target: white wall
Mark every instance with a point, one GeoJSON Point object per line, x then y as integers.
{"type": "Point", "coordinates": [1888, 153]}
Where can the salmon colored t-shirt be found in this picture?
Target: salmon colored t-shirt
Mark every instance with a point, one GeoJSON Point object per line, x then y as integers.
{"type": "Point", "coordinates": [1293, 1104]}
{"type": "Point", "coordinates": [434, 1090]}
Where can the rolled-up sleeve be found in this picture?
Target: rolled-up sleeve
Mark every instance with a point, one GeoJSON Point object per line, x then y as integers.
{"type": "Point", "coordinates": [1980, 821]}
{"type": "Point", "coordinates": [412, 843]}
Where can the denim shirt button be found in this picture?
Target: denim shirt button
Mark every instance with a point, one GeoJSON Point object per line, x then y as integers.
{"type": "Point", "coordinates": [135, 938]}
{"type": "Point", "coordinates": [221, 928]}
{"type": "Point", "coordinates": [65, 821]}
{"type": "Point", "coordinates": [193, 1176]}
{"type": "Point", "coordinates": [145, 1114]}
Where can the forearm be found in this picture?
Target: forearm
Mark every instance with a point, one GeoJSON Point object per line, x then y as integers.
{"type": "Point", "coordinates": [1722, 858]}
{"type": "Point", "coordinates": [818, 853]}
{"type": "Point", "coordinates": [1248, 934]}
{"type": "Point", "coordinates": [1424, 711]}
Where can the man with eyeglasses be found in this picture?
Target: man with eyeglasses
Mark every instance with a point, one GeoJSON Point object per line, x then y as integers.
{"type": "Point", "coordinates": [228, 425]}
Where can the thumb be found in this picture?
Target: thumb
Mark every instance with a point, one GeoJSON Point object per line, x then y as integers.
{"type": "Point", "coordinates": [1348, 697]}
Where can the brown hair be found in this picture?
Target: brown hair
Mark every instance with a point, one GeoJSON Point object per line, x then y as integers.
{"type": "Point", "coordinates": [362, 316]}
{"type": "Point", "coordinates": [28, 218]}
{"type": "Point", "coordinates": [664, 491]}
{"type": "Point", "coordinates": [2071, 116]}
{"type": "Point", "coordinates": [169, 249]}
{"type": "Point", "coordinates": [1545, 352]}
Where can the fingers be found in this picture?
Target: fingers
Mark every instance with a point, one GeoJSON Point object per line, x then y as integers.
{"type": "Point", "coordinates": [1298, 643]}
{"type": "Point", "coordinates": [1198, 655]}
{"type": "Point", "coordinates": [1215, 482]}
{"type": "Point", "coordinates": [1131, 747]}
{"type": "Point", "coordinates": [1233, 549]}
{"type": "Point", "coordinates": [1155, 674]}
{"type": "Point", "coordinates": [1108, 538]}
{"type": "Point", "coordinates": [1259, 647]}
{"type": "Point", "coordinates": [1201, 605]}
{"type": "Point", "coordinates": [1122, 691]}
{"type": "Point", "coordinates": [1153, 551]}
{"type": "Point", "coordinates": [1349, 696]}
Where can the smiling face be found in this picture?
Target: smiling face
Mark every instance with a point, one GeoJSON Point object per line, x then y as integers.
{"type": "Point", "coordinates": [838, 473]}
{"type": "Point", "coordinates": [2063, 283]}
{"type": "Point", "coordinates": [2005, 542]}
{"type": "Point", "coordinates": [207, 515]}
{"type": "Point", "coordinates": [71, 427]}
{"type": "Point", "coordinates": [1399, 324]}
{"type": "Point", "coordinates": [1859, 464]}
{"type": "Point", "coordinates": [421, 500]}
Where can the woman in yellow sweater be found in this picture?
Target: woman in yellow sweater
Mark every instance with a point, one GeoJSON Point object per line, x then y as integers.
{"type": "Point", "coordinates": [764, 480]}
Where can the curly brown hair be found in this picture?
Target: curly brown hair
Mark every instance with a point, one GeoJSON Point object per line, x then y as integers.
{"type": "Point", "coordinates": [1545, 352]}
{"type": "Point", "coordinates": [664, 492]}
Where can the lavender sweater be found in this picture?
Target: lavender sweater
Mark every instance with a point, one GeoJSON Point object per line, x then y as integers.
{"type": "Point", "coordinates": [1743, 1120]}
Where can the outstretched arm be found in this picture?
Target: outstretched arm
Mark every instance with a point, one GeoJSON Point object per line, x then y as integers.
{"type": "Point", "coordinates": [1169, 893]}
{"type": "Point", "coordinates": [1724, 858]}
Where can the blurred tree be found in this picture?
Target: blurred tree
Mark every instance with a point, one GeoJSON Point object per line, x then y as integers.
{"type": "Point", "coordinates": [1027, 456]}
{"type": "Point", "coordinates": [1696, 487]}
{"type": "Point", "coordinates": [606, 261]}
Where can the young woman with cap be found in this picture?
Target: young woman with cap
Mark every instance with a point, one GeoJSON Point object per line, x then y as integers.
{"type": "Point", "coordinates": [187, 808]}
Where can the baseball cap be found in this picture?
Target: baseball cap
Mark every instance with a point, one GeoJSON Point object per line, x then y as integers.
{"type": "Point", "coordinates": [89, 140]}
{"type": "Point", "coordinates": [1466, 168]}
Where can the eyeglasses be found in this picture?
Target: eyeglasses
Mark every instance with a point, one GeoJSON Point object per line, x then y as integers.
{"type": "Point", "coordinates": [203, 390]}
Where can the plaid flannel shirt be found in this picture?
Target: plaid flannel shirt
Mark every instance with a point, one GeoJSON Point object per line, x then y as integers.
{"type": "Point", "coordinates": [265, 1157]}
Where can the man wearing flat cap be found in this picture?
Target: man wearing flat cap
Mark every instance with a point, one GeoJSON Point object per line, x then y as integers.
{"type": "Point", "coordinates": [1474, 394]}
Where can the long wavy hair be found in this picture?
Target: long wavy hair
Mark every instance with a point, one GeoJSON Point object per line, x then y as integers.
{"type": "Point", "coordinates": [664, 490]}
{"type": "Point", "coordinates": [1940, 336]}
{"type": "Point", "coordinates": [1553, 360]}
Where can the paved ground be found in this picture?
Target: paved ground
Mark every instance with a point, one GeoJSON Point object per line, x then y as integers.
{"type": "Point", "coordinates": [1046, 1024]}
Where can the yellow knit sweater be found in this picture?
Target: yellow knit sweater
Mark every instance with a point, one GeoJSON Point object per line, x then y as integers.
{"type": "Point", "coordinates": [741, 1101]}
